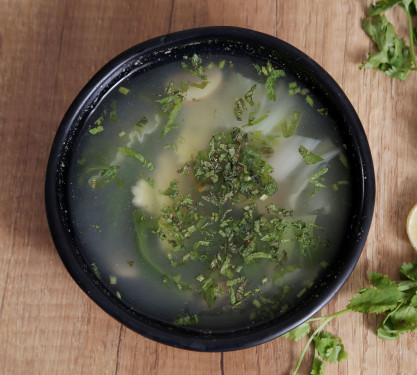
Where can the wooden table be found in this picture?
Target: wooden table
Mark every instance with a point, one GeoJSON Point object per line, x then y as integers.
{"type": "Point", "coordinates": [48, 51]}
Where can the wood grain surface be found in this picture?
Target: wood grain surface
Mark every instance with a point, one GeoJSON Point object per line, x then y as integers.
{"type": "Point", "coordinates": [48, 51]}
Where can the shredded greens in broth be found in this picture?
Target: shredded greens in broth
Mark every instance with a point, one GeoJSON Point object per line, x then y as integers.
{"type": "Point", "coordinates": [210, 187]}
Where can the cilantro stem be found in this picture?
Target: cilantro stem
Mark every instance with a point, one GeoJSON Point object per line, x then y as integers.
{"type": "Point", "coordinates": [410, 29]}
{"type": "Point", "coordinates": [327, 319]}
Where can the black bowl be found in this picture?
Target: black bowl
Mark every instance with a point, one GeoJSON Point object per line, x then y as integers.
{"type": "Point", "coordinates": [237, 42]}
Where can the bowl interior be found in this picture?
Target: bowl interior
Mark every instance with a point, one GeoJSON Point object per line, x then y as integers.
{"type": "Point", "coordinates": [149, 55]}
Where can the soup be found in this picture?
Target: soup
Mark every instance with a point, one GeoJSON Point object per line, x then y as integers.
{"type": "Point", "coordinates": [209, 192]}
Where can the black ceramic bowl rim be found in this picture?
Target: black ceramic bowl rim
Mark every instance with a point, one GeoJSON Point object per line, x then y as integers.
{"type": "Point", "coordinates": [242, 41]}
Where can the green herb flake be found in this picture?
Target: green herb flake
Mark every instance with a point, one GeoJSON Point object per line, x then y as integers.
{"type": "Point", "coordinates": [271, 75]}
{"type": "Point", "coordinates": [323, 111]}
{"type": "Point", "coordinates": [270, 83]}
{"type": "Point", "coordinates": [293, 88]}
{"type": "Point", "coordinates": [299, 332]}
{"type": "Point", "coordinates": [123, 90]}
{"type": "Point", "coordinates": [150, 181]}
{"type": "Point", "coordinates": [113, 114]}
{"type": "Point", "coordinates": [173, 190]}
{"type": "Point", "coordinates": [95, 270]}
{"type": "Point", "coordinates": [130, 263]}
{"type": "Point", "coordinates": [308, 156]}
{"type": "Point", "coordinates": [122, 134]}
{"type": "Point", "coordinates": [343, 160]}
{"type": "Point", "coordinates": [112, 280]}
{"type": "Point", "coordinates": [221, 64]}
{"type": "Point", "coordinates": [96, 130]}
{"type": "Point", "coordinates": [118, 295]}
{"type": "Point", "coordinates": [127, 151]}
{"type": "Point", "coordinates": [141, 123]}
{"type": "Point", "coordinates": [201, 85]}
{"type": "Point", "coordinates": [196, 67]}
{"type": "Point", "coordinates": [99, 121]}
{"type": "Point", "coordinates": [289, 131]}
{"type": "Point", "coordinates": [186, 320]}
{"type": "Point", "coordinates": [315, 180]}
{"type": "Point", "coordinates": [239, 108]}
{"type": "Point", "coordinates": [309, 101]}
{"type": "Point", "coordinates": [249, 95]}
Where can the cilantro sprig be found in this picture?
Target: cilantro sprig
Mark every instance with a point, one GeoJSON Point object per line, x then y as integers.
{"type": "Point", "coordinates": [271, 74]}
{"type": "Point", "coordinates": [395, 301]}
{"type": "Point", "coordinates": [394, 56]}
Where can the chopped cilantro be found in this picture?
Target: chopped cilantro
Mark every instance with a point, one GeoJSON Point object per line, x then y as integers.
{"type": "Point", "coordinates": [289, 131]}
{"type": "Point", "coordinates": [249, 95]}
{"type": "Point", "coordinates": [150, 181]}
{"type": "Point", "coordinates": [316, 178]}
{"type": "Point", "coordinates": [96, 130]}
{"type": "Point", "coordinates": [196, 67]}
{"type": "Point", "coordinates": [113, 114]}
{"type": "Point", "coordinates": [309, 101]}
{"type": "Point", "coordinates": [343, 160]}
{"type": "Point", "coordinates": [271, 75]}
{"type": "Point", "coordinates": [141, 123]}
{"type": "Point", "coordinates": [186, 320]}
{"type": "Point", "coordinates": [95, 270]}
{"type": "Point", "coordinates": [308, 156]}
{"type": "Point", "coordinates": [293, 88]}
{"type": "Point", "coordinates": [171, 105]}
{"type": "Point", "coordinates": [127, 151]}
{"type": "Point", "coordinates": [221, 64]}
{"type": "Point", "coordinates": [201, 85]}
{"type": "Point", "coordinates": [323, 111]}
{"type": "Point", "coordinates": [123, 90]}
{"type": "Point", "coordinates": [231, 171]}
{"type": "Point", "coordinates": [99, 121]}
{"type": "Point", "coordinates": [239, 108]}
{"type": "Point", "coordinates": [253, 121]}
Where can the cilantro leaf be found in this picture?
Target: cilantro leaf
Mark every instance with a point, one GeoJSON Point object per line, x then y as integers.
{"type": "Point", "coordinates": [308, 156]}
{"type": "Point", "coordinates": [393, 56]}
{"type": "Point", "coordinates": [186, 320]}
{"type": "Point", "coordinates": [329, 347]}
{"type": "Point", "coordinates": [96, 130]}
{"type": "Point", "coordinates": [171, 105]}
{"type": "Point", "coordinates": [409, 271]}
{"type": "Point", "coordinates": [271, 75]}
{"type": "Point", "coordinates": [318, 365]}
{"type": "Point", "coordinates": [379, 7]}
{"type": "Point", "coordinates": [315, 180]}
{"type": "Point", "coordinates": [270, 83]}
{"type": "Point", "coordinates": [289, 131]}
{"type": "Point", "coordinates": [383, 297]}
{"type": "Point", "coordinates": [196, 67]}
{"type": "Point", "coordinates": [239, 108]}
{"type": "Point", "coordinates": [127, 151]}
{"type": "Point", "coordinates": [249, 95]}
{"type": "Point", "coordinates": [299, 332]}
